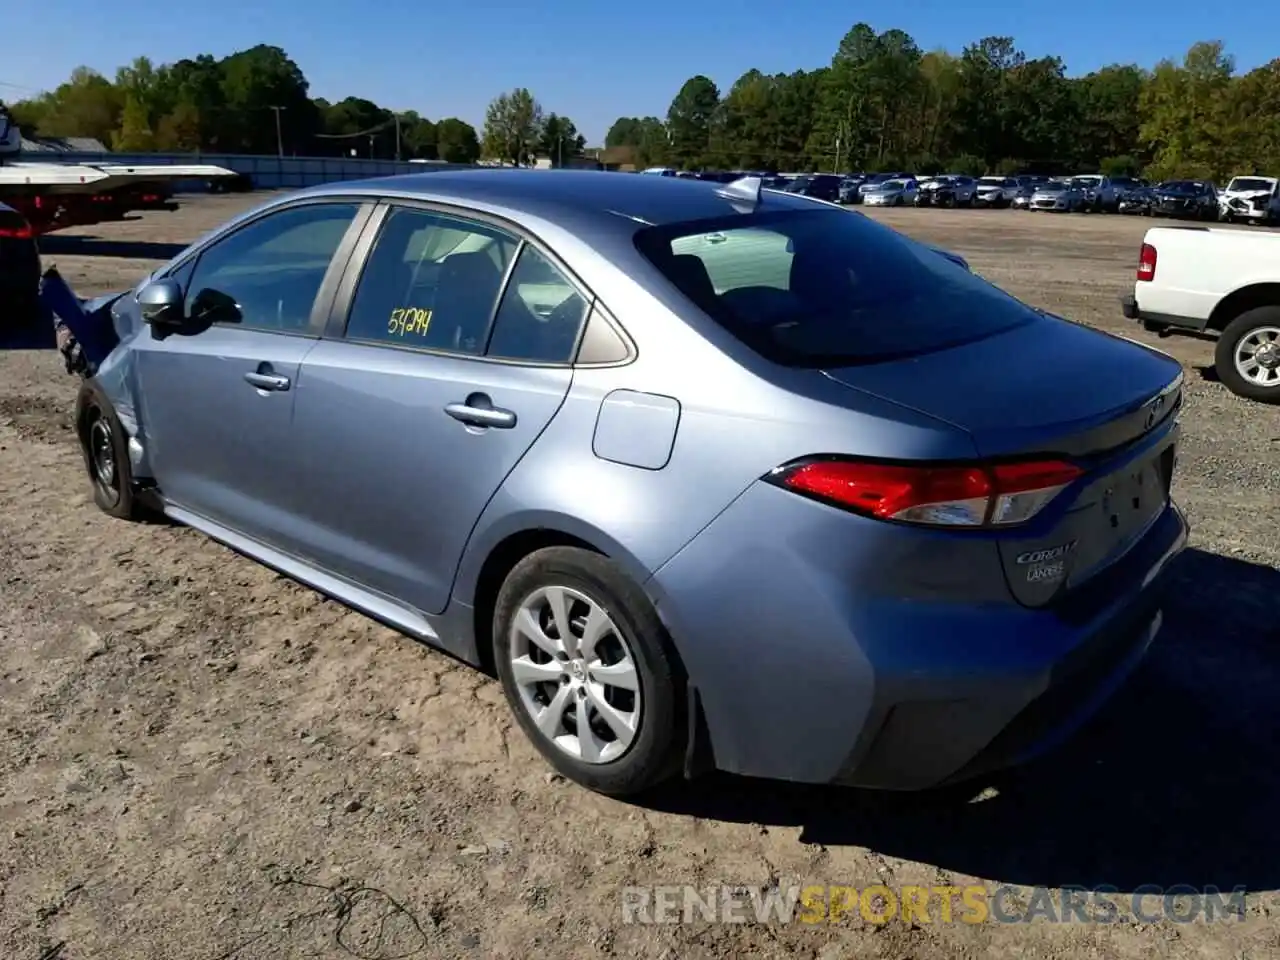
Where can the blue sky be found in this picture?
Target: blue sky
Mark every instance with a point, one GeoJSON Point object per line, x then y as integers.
{"type": "Point", "coordinates": [592, 60]}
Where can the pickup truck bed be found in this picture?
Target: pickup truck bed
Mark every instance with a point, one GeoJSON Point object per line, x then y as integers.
{"type": "Point", "coordinates": [1206, 279]}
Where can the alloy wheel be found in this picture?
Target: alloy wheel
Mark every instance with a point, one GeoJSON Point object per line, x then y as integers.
{"type": "Point", "coordinates": [1257, 357]}
{"type": "Point", "coordinates": [576, 674]}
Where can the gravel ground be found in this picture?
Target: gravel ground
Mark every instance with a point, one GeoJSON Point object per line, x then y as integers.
{"type": "Point", "coordinates": [200, 759]}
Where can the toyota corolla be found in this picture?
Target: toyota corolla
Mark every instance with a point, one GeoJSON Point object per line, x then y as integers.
{"type": "Point", "coordinates": [710, 476]}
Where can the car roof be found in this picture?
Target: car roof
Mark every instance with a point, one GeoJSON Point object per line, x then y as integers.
{"type": "Point", "coordinates": [582, 201]}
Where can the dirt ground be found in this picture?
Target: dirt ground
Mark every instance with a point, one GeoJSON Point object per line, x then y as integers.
{"type": "Point", "coordinates": [200, 759]}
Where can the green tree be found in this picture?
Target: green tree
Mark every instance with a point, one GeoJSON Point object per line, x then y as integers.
{"type": "Point", "coordinates": [1252, 120]}
{"type": "Point", "coordinates": [1185, 109]}
{"type": "Point", "coordinates": [560, 140]}
{"type": "Point", "coordinates": [625, 132]}
{"type": "Point", "coordinates": [690, 119]}
{"type": "Point", "coordinates": [418, 137]}
{"type": "Point", "coordinates": [254, 83]}
{"type": "Point", "coordinates": [87, 105]}
{"type": "Point", "coordinates": [180, 129]}
{"type": "Point", "coordinates": [456, 141]}
{"type": "Point", "coordinates": [512, 127]}
{"type": "Point", "coordinates": [135, 134]}
{"type": "Point", "coordinates": [1107, 113]}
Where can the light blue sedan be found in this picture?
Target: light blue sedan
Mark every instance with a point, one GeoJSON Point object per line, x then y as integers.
{"type": "Point", "coordinates": [710, 476]}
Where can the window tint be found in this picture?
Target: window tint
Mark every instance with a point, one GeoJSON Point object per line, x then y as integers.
{"type": "Point", "coordinates": [540, 315]}
{"type": "Point", "coordinates": [266, 275]}
{"type": "Point", "coordinates": [812, 288]}
{"type": "Point", "coordinates": [430, 282]}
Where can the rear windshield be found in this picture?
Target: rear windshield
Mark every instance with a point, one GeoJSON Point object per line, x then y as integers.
{"type": "Point", "coordinates": [814, 288]}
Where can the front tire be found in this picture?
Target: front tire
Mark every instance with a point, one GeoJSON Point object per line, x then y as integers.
{"type": "Point", "coordinates": [589, 671]}
{"type": "Point", "coordinates": [106, 456]}
{"type": "Point", "coordinates": [1247, 355]}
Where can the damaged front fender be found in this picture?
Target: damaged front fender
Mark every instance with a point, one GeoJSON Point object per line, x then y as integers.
{"type": "Point", "coordinates": [90, 336]}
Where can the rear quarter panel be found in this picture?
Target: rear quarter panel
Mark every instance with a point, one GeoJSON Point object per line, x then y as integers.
{"type": "Point", "coordinates": [1196, 268]}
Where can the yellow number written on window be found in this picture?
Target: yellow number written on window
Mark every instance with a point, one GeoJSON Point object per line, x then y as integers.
{"type": "Point", "coordinates": [409, 321]}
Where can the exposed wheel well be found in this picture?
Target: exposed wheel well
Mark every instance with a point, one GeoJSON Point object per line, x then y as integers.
{"type": "Point", "coordinates": [497, 565]}
{"type": "Point", "coordinates": [1246, 298]}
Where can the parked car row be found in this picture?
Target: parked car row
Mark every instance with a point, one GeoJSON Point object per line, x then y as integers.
{"type": "Point", "coordinates": [1246, 199]}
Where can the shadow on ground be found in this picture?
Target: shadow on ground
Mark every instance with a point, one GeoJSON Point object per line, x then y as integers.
{"type": "Point", "coordinates": [55, 245]}
{"type": "Point", "coordinates": [1174, 782]}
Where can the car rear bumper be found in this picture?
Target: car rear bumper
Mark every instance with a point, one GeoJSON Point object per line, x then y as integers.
{"type": "Point", "coordinates": [1158, 321]}
{"type": "Point", "coordinates": [805, 673]}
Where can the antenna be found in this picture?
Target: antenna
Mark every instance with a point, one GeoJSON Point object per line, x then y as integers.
{"type": "Point", "coordinates": [744, 188]}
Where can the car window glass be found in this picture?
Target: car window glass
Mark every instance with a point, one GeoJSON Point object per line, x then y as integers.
{"type": "Point", "coordinates": [809, 288]}
{"type": "Point", "coordinates": [540, 315]}
{"type": "Point", "coordinates": [430, 282]}
{"type": "Point", "coordinates": [266, 275]}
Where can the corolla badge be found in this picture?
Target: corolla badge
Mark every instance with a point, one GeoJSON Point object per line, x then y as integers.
{"type": "Point", "coordinates": [1046, 554]}
{"type": "Point", "coordinates": [1048, 564]}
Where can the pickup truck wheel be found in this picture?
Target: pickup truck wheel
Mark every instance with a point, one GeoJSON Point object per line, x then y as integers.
{"type": "Point", "coordinates": [1247, 357]}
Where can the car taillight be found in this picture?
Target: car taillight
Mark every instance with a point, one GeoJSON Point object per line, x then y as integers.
{"type": "Point", "coordinates": [22, 232]}
{"type": "Point", "coordinates": [1147, 262]}
{"type": "Point", "coordinates": [965, 495]}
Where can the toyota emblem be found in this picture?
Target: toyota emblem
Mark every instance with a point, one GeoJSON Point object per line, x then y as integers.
{"type": "Point", "coordinates": [1154, 411]}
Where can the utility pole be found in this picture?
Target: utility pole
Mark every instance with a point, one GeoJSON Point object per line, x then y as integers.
{"type": "Point", "coordinates": [279, 135]}
{"type": "Point", "coordinates": [397, 116]}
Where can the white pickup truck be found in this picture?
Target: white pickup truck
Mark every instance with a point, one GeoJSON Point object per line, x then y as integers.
{"type": "Point", "coordinates": [1207, 279]}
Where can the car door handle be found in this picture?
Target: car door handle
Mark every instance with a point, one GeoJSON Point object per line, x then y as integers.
{"type": "Point", "coordinates": [267, 381]}
{"type": "Point", "coordinates": [478, 411]}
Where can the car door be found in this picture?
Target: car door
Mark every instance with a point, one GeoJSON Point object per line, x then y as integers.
{"type": "Point", "coordinates": [447, 355]}
{"type": "Point", "coordinates": [217, 396]}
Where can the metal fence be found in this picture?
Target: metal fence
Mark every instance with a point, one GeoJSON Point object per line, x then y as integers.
{"type": "Point", "coordinates": [268, 173]}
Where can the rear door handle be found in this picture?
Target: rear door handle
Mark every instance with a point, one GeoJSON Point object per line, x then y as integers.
{"type": "Point", "coordinates": [267, 381]}
{"type": "Point", "coordinates": [478, 411]}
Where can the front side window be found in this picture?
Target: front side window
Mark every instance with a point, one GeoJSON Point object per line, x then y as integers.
{"type": "Point", "coordinates": [540, 315]}
{"type": "Point", "coordinates": [265, 276]}
{"type": "Point", "coordinates": [431, 282]}
{"type": "Point", "coordinates": [823, 287]}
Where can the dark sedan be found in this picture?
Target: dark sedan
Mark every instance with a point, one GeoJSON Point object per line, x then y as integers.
{"type": "Point", "coordinates": [19, 270]}
{"type": "Point", "coordinates": [820, 186]}
{"type": "Point", "coordinates": [1185, 199]}
{"type": "Point", "coordinates": [1138, 201]}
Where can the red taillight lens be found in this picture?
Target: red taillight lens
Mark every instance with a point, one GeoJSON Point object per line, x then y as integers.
{"type": "Point", "coordinates": [964, 495]}
{"type": "Point", "coordinates": [1147, 262]}
{"type": "Point", "coordinates": [23, 232]}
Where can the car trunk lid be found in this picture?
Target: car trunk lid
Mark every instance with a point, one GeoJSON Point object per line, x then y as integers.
{"type": "Point", "coordinates": [1054, 389]}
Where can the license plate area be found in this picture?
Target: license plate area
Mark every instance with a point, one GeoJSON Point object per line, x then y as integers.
{"type": "Point", "coordinates": [1123, 506]}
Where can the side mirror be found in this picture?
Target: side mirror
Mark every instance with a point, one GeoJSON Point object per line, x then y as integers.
{"type": "Point", "coordinates": [161, 304]}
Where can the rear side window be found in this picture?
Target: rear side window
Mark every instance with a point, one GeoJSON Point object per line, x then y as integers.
{"type": "Point", "coordinates": [431, 282]}
{"type": "Point", "coordinates": [540, 316]}
{"type": "Point", "coordinates": [826, 287]}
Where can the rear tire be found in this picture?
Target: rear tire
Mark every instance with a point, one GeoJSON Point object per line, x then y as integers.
{"type": "Point", "coordinates": [106, 456]}
{"type": "Point", "coordinates": [1243, 335]}
{"type": "Point", "coordinates": [552, 691]}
